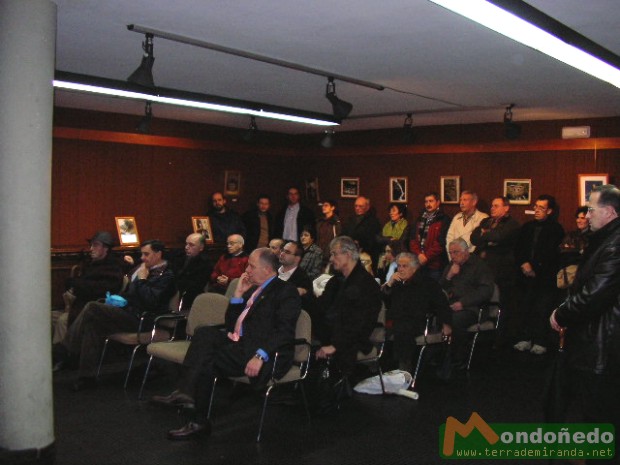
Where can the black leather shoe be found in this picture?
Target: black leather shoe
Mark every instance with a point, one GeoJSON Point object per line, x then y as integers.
{"type": "Point", "coordinates": [189, 431]}
{"type": "Point", "coordinates": [84, 383]}
{"type": "Point", "coordinates": [174, 399]}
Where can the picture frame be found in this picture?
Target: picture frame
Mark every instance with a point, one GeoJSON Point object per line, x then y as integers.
{"type": "Point", "coordinates": [587, 182]}
{"type": "Point", "coordinates": [232, 182]}
{"type": "Point", "coordinates": [127, 229]}
{"type": "Point", "coordinates": [518, 191]}
{"type": "Point", "coordinates": [450, 189]}
{"type": "Point", "coordinates": [202, 225]}
{"type": "Point", "coordinates": [349, 187]}
{"type": "Point", "coordinates": [312, 190]}
{"type": "Point", "coordinates": [399, 187]}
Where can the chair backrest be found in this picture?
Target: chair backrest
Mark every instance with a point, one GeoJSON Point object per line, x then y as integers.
{"type": "Point", "coordinates": [303, 330]}
{"type": "Point", "coordinates": [208, 309]}
{"type": "Point", "coordinates": [493, 307]}
{"type": "Point", "coordinates": [378, 334]}
{"type": "Point", "coordinates": [230, 290]}
{"type": "Point", "coordinates": [173, 305]}
{"type": "Point", "coordinates": [125, 283]}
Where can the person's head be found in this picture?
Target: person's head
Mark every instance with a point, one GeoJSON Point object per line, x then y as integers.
{"type": "Point", "coordinates": [604, 206]}
{"type": "Point", "coordinates": [343, 254]}
{"type": "Point", "coordinates": [234, 244]}
{"type": "Point", "coordinates": [276, 246]}
{"type": "Point", "coordinates": [499, 207]}
{"type": "Point", "coordinates": [397, 211]}
{"type": "Point", "coordinates": [100, 245]}
{"type": "Point", "coordinates": [362, 205]}
{"type": "Point", "coordinates": [581, 218]}
{"type": "Point", "coordinates": [544, 207]}
{"type": "Point", "coordinates": [218, 201]}
{"type": "Point", "coordinates": [151, 253]}
{"type": "Point", "coordinates": [194, 245]}
{"type": "Point", "coordinates": [392, 249]}
{"type": "Point", "coordinates": [329, 208]}
{"type": "Point", "coordinates": [307, 236]}
{"type": "Point", "coordinates": [458, 251]}
{"type": "Point", "coordinates": [408, 264]}
{"type": "Point", "coordinates": [292, 195]}
{"type": "Point", "coordinates": [262, 265]}
{"type": "Point", "coordinates": [263, 203]}
{"type": "Point", "coordinates": [468, 202]}
{"type": "Point", "coordinates": [291, 255]}
{"type": "Point", "coordinates": [431, 202]}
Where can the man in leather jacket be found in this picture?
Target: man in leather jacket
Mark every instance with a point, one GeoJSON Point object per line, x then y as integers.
{"type": "Point", "coordinates": [591, 314]}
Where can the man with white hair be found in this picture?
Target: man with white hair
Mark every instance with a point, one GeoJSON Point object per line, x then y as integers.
{"type": "Point", "coordinates": [230, 265]}
{"type": "Point", "coordinates": [465, 222]}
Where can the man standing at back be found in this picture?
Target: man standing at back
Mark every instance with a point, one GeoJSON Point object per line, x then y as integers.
{"type": "Point", "coordinates": [591, 315]}
{"type": "Point", "coordinates": [224, 221]}
{"type": "Point", "coordinates": [363, 227]}
{"type": "Point", "coordinates": [464, 223]}
{"type": "Point", "coordinates": [258, 224]}
{"type": "Point", "coordinates": [292, 218]}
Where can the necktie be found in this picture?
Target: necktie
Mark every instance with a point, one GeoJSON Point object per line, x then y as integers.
{"type": "Point", "coordinates": [238, 325]}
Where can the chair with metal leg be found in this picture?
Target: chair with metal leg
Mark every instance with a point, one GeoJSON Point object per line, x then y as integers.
{"type": "Point", "coordinates": [488, 320]}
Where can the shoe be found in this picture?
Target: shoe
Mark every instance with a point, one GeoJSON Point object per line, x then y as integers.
{"type": "Point", "coordinates": [523, 346]}
{"type": "Point", "coordinates": [538, 350]}
{"type": "Point", "coordinates": [174, 399]}
{"type": "Point", "coordinates": [189, 431]}
{"type": "Point", "coordinates": [84, 383]}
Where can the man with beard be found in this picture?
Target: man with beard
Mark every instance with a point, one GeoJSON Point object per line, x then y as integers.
{"type": "Point", "coordinates": [224, 221]}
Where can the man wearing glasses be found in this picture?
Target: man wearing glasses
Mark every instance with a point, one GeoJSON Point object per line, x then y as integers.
{"type": "Point", "coordinates": [537, 255]}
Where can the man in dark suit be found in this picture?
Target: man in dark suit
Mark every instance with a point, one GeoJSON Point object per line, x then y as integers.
{"type": "Point", "coordinates": [258, 224]}
{"type": "Point", "coordinates": [193, 274]}
{"type": "Point", "coordinates": [292, 218]}
{"type": "Point", "coordinates": [290, 257]}
{"type": "Point", "coordinates": [261, 317]}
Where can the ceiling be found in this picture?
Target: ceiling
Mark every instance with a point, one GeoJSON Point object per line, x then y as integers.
{"type": "Point", "coordinates": [440, 66]}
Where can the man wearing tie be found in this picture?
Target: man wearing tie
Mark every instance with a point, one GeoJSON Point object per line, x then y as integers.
{"type": "Point", "coordinates": [261, 317]}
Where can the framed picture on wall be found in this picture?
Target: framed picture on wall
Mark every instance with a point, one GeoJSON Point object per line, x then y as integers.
{"type": "Point", "coordinates": [312, 190]}
{"type": "Point", "coordinates": [232, 182]}
{"type": "Point", "coordinates": [587, 182]}
{"type": "Point", "coordinates": [202, 225]}
{"type": "Point", "coordinates": [349, 187]}
{"type": "Point", "coordinates": [127, 230]}
{"type": "Point", "coordinates": [450, 188]}
{"type": "Point", "coordinates": [398, 189]}
{"type": "Point", "coordinates": [518, 191]}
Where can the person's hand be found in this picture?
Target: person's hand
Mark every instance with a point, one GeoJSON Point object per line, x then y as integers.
{"type": "Point", "coordinates": [453, 271]}
{"type": "Point", "coordinates": [128, 259]}
{"type": "Point", "coordinates": [446, 330]}
{"type": "Point", "coordinates": [456, 306]}
{"type": "Point", "coordinates": [301, 291]}
{"type": "Point", "coordinates": [325, 352]}
{"type": "Point", "coordinates": [527, 270]}
{"type": "Point", "coordinates": [423, 259]}
{"type": "Point", "coordinates": [243, 285]}
{"type": "Point", "coordinates": [253, 367]}
{"type": "Point", "coordinates": [143, 272]}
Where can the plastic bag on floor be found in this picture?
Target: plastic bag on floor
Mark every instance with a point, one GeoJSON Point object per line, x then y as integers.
{"type": "Point", "coordinates": [394, 381]}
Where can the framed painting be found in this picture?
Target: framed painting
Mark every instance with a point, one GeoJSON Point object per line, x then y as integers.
{"type": "Point", "coordinates": [127, 230]}
{"type": "Point", "coordinates": [450, 188]}
{"type": "Point", "coordinates": [202, 225]}
{"type": "Point", "coordinates": [312, 190]}
{"type": "Point", "coordinates": [349, 187]}
{"type": "Point", "coordinates": [398, 189]}
{"type": "Point", "coordinates": [587, 182]}
{"type": "Point", "coordinates": [232, 182]}
{"type": "Point", "coordinates": [518, 191]}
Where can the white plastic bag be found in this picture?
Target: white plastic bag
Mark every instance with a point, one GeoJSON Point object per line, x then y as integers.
{"type": "Point", "coordinates": [393, 381]}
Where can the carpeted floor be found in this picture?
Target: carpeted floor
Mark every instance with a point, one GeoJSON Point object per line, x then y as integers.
{"type": "Point", "coordinates": [109, 425]}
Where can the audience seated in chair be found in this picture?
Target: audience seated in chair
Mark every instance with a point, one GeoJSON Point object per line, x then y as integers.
{"type": "Point", "coordinates": [260, 319]}
{"type": "Point", "coordinates": [150, 290]}
{"type": "Point", "coordinates": [312, 257]}
{"type": "Point", "coordinates": [230, 265]}
{"type": "Point", "coordinates": [291, 271]}
{"type": "Point", "coordinates": [194, 273]}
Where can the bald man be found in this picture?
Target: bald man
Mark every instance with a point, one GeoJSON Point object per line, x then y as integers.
{"type": "Point", "coordinates": [193, 274]}
{"type": "Point", "coordinates": [363, 227]}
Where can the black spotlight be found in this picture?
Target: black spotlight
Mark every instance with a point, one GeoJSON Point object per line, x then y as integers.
{"type": "Point", "coordinates": [143, 75]}
{"type": "Point", "coordinates": [408, 133]}
{"type": "Point", "coordinates": [341, 108]}
{"type": "Point", "coordinates": [252, 131]}
{"type": "Point", "coordinates": [328, 139]}
{"type": "Point", "coordinates": [144, 126]}
{"type": "Point", "coordinates": [512, 130]}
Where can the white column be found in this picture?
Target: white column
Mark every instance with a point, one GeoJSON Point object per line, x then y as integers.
{"type": "Point", "coordinates": [27, 51]}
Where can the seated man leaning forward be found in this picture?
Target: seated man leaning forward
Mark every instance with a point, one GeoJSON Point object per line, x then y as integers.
{"type": "Point", "coordinates": [348, 307]}
{"type": "Point", "coordinates": [151, 288]}
{"type": "Point", "coordinates": [260, 318]}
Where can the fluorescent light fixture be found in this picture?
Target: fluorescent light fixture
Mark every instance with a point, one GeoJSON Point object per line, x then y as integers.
{"type": "Point", "coordinates": [102, 86]}
{"type": "Point", "coordinates": [515, 27]}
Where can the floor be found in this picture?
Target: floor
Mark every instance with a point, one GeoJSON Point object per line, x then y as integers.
{"type": "Point", "coordinates": [109, 425]}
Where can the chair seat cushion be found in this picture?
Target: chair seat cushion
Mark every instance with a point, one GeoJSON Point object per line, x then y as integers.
{"type": "Point", "coordinates": [484, 326]}
{"type": "Point", "coordinates": [431, 338]}
{"type": "Point", "coordinates": [361, 356]}
{"type": "Point", "coordinates": [132, 339]}
{"type": "Point", "coordinates": [173, 351]}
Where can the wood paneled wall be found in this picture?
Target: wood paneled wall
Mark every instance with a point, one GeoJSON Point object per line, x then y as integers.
{"type": "Point", "coordinates": [98, 175]}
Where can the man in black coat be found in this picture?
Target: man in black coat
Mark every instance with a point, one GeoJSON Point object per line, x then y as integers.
{"type": "Point", "coordinates": [537, 255]}
{"type": "Point", "coordinates": [193, 276]}
{"type": "Point", "coordinates": [349, 307]}
{"type": "Point", "coordinates": [261, 317]}
{"type": "Point", "coordinates": [591, 315]}
{"type": "Point", "coordinates": [364, 227]}
{"type": "Point", "coordinates": [289, 271]}
{"type": "Point", "coordinates": [224, 221]}
{"type": "Point", "coordinates": [292, 218]}
{"type": "Point", "coordinates": [259, 224]}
